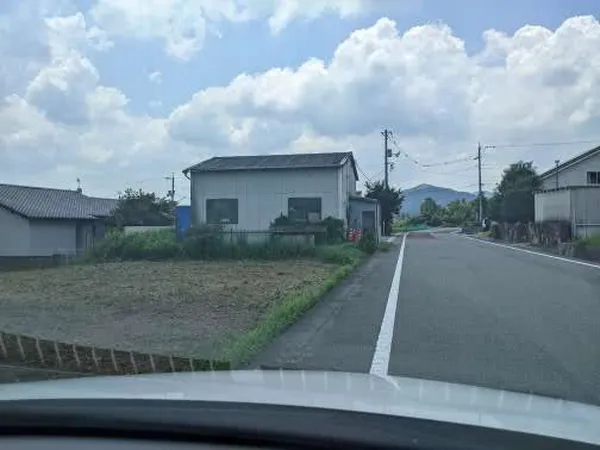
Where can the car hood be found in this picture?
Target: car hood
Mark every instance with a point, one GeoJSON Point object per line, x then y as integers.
{"type": "Point", "coordinates": [399, 396]}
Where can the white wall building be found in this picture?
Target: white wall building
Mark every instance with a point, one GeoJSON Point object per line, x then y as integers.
{"type": "Point", "coordinates": [571, 191]}
{"type": "Point", "coordinates": [37, 221]}
{"type": "Point", "coordinates": [246, 193]}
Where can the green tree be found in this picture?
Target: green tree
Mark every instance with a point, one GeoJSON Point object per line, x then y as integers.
{"type": "Point", "coordinates": [513, 199]}
{"type": "Point", "coordinates": [431, 212]}
{"type": "Point", "coordinates": [142, 208]}
{"type": "Point", "coordinates": [460, 212]}
{"type": "Point", "coordinates": [390, 202]}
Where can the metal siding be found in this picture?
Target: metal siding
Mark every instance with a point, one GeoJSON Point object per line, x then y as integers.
{"type": "Point", "coordinates": [552, 205]}
{"type": "Point", "coordinates": [575, 175]}
{"type": "Point", "coordinates": [586, 211]}
{"type": "Point", "coordinates": [14, 234]}
{"type": "Point", "coordinates": [263, 195]}
{"type": "Point", "coordinates": [49, 237]}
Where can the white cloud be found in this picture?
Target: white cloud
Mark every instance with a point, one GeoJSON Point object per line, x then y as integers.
{"type": "Point", "coordinates": [155, 77]}
{"type": "Point", "coordinates": [68, 33]}
{"type": "Point", "coordinates": [182, 25]}
{"type": "Point", "coordinates": [536, 85]}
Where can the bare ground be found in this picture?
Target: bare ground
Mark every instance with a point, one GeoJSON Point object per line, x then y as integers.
{"type": "Point", "coordinates": [179, 308]}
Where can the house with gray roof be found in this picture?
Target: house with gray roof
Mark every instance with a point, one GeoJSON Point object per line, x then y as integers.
{"type": "Point", "coordinates": [571, 191]}
{"type": "Point", "coordinates": [37, 221]}
{"type": "Point", "coordinates": [246, 193]}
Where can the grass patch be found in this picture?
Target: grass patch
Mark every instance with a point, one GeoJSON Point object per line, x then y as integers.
{"type": "Point", "coordinates": [404, 226]}
{"type": "Point", "coordinates": [282, 315]}
{"type": "Point", "coordinates": [592, 241]}
{"type": "Point", "coordinates": [385, 246]}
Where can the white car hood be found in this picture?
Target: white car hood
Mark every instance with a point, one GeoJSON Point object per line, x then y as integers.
{"type": "Point", "coordinates": [398, 396]}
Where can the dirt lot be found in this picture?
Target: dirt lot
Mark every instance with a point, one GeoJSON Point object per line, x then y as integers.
{"type": "Point", "coordinates": [180, 308]}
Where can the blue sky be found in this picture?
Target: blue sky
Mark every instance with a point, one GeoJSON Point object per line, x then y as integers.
{"type": "Point", "coordinates": [79, 100]}
{"type": "Point", "coordinates": [250, 47]}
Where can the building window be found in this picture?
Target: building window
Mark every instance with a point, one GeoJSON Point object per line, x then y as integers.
{"type": "Point", "coordinates": [304, 209]}
{"type": "Point", "coordinates": [593, 177]}
{"type": "Point", "coordinates": [221, 211]}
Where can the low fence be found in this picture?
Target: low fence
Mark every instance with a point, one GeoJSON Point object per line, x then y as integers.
{"type": "Point", "coordinates": [49, 358]}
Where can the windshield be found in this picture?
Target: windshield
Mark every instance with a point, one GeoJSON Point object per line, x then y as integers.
{"type": "Point", "coordinates": [395, 188]}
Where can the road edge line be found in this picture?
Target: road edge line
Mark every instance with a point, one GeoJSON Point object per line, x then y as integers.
{"type": "Point", "coordinates": [381, 357]}
{"type": "Point", "coordinates": [524, 250]}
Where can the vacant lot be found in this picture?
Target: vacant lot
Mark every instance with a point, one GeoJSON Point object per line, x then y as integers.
{"type": "Point", "coordinates": [181, 308]}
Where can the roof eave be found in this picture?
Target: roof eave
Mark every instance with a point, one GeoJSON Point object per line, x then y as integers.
{"type": "Point", "coordinates": [571, 162]}
{"type": "Point", "coordinates": [14, 211]}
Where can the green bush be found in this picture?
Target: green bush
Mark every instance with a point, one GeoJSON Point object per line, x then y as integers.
{"type": "Point", "coordinates": [334, 230]}
{"type": "Point", "coordinates": [205, 242]}
{"type": "Point", "coordinates": [339, 254]}
{"type": "Point", "coordinates": [368, 242]}
{"type": "Point", "coordinates": [209, 242]}
{"type": "Point", "coordinates": [152, 245]}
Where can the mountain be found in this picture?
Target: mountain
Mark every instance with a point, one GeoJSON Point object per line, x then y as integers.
{"type": "Point", "coordinates": [413, 197]}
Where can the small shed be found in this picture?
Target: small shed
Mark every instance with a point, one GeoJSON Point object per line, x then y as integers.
{"type": "Point", "coordinates": [364, 214]}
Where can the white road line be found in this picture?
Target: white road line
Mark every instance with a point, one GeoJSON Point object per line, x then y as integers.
{"type": "Point", "coordinates": [559, 258]}
{"type": "Point", "coordinates": [381, 358]}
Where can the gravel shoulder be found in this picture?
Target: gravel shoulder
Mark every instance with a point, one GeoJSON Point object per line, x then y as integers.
{"type": "Point", "coordinates": [185, 308]}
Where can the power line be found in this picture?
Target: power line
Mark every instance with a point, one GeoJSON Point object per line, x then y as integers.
{"type": "Point", "coordinates": [362, 172]}
{"type": "Point", "coordinates": [415, 161]}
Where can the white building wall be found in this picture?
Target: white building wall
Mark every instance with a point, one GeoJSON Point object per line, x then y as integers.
{"type": "Point", "coordinates": [585, 205]}
{"type": "Point", "coordinates": [575, 175]}
{"type": "Point", "coordinates": [263, 195]}
{"type": "Point", "coordinates": [49, 237]}
{"type": "Point", "coordinates": [14, 234]}
{"type": "Point", "coordinates": [553, 205]}
{"type": "Point", "coordinates": [347, 187]}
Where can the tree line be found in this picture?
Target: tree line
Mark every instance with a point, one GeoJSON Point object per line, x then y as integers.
{"type": "Point", "coordinates": [512, 201]}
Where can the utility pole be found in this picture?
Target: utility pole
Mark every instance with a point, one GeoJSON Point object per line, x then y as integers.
{"type": "Point", "coordinates": [387, 153]}
{"type": "Point", "coordinates": [479, 182]}
{"type": "Point", "coordinates": [171, 193]}
{"type": "Point", "coordinates": [556, 162]}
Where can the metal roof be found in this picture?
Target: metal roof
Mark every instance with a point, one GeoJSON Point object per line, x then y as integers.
{"type": "Point", "coordinates": [272, 162]}
{"type": "Point", "coordinates": [583, 156]}
{"type": "Point", "coordinates": [48, 203]}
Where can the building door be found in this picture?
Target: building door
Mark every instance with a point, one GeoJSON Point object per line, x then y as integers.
{"type": "Point", "coordinates": [368, 220]}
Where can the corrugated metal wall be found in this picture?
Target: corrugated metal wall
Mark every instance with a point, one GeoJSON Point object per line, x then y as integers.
{"type": "Point", "coordinates": [263, 195]}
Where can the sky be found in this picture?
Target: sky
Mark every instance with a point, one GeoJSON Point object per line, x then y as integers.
{"type": "Point", "coordinates": [123, 93]}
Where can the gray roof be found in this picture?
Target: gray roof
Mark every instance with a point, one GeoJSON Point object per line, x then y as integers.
{"type": "Point", "coordinates": [581, 157]}
{"type": "Point", "coordinates": [264, 162]}
{"type": "Point", "coordinates": [48, 203]}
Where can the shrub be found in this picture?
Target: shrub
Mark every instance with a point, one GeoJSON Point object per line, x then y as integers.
{"type": "Point", "coordinates": [368, 242]}
{"type": "Point", "coordinates": [334, 230]}
{"type": "Point", "coordinates": [339, 254]}
{"type": "Point", "coordinates": [205, 242]}
{"type": "Point", "coordinates": [152, 245]}
{"type": "Point", "coordinates": [280, 221]}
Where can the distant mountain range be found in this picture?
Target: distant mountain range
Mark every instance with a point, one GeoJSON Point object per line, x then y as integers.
{"type": "Point", "coordinates": [413, 197]}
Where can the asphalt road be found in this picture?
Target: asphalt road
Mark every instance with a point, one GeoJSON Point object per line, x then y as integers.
{"type": "Point", "coordinates": [467, 312]}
